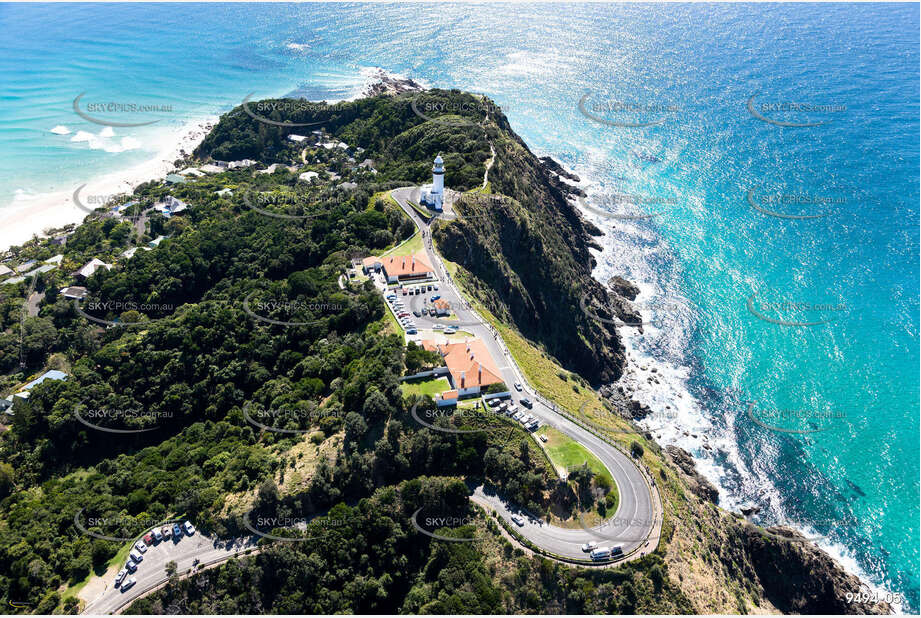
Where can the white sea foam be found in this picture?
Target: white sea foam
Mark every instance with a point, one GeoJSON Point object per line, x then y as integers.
{"type": "Point", "coordinates": [60, 130]}
{"type": "Point", "coordinates": [659, 369]}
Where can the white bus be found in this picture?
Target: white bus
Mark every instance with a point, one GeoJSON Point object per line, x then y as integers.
{"type": "Point", "coordinates": [602, 553]}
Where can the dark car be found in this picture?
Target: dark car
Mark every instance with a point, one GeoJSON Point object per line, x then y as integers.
{"type": "Point", "coordinates": [177, 532]}
{"type": "Point", "coordinates": [526, 402]}
{"type": "Point", "coordinates": [417, 314]}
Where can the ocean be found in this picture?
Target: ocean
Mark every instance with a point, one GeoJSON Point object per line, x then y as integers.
{"type": "Point", "coordinates": [760, 165]}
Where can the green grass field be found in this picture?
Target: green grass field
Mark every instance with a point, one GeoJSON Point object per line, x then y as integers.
{"type": "Point", "coordinates": [411, 245]}
{"type": "Point", "coordinates": [430, 387]}
{"type": "Point", "coordinates": [566, 453]}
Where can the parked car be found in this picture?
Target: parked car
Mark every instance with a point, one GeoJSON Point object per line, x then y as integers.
{"type": "Point", "coordinates": [148, 538]}
{"type": "Point", "coordinates": [435, 286]}
{"type": "Point", "coordinates": [587, 547]}
{"type": "Point", "coordinates": [412, 331]}
{"type": "Point", "coordinates": [165, 531]}
{"type": "Point", "coordinates": [121, 575]}
{"type": "Point", "coordinates": [189, 528]}
{"type": "Point", "coordinates": [543, 437]}
{"type": "Point", "coordinates": [134, 555]}
{"type": "Point", "coordinates": [438, 327]}
{"type": "Point", "coordinates": [128, 583]}
{"type": "Point", "coordinates": [436, 297]}
{"type": "Point", "coordinates": [141, 546]}
{"type": "Point", "coordinates": [616, 551]}
{"type": "Point", "coordinates": [518, 386]}
{"type": "Point", "coordinates": [526, 402]}
{"type": "Point", "coordinates": [177, 532]}
{"type": "Point", "coordinates": [131, 566]}
{"type": "Point", "coordinates": [518, 520]}
{"type": "Point", "coordinates": [417, 314]}
{"type": "Point", "coordinates": [429, 288]}
{"type": "Point", "coordinates": [450, 330]}
{"type": "Point", "coordinates": [404, 292]}
{"type": "Point", "coordinates": [157, 535]}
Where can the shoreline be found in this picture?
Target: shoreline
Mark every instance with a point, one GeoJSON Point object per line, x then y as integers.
{"type": "Point", "coordinates": [56, 209]}
{"type": "Point", "coordinates": [640, 366]}
{"type": "Point", "coordinates": [21, 220]}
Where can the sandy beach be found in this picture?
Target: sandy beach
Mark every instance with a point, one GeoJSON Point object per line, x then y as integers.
{"type": "Point", "coordinates": [34, 216]}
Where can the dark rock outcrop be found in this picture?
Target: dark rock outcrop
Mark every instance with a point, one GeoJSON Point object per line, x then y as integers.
{"type": "Point", "coordinates": [701, 487]}
{"type": "Point", "coordinates": [623, 288]}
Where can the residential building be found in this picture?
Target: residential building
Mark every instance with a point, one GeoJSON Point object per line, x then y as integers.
{"type": "Point", "coordinates": [470, 366]}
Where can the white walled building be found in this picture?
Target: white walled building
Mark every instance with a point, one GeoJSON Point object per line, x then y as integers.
{"type": "Point", "coordinates": [433, 195]}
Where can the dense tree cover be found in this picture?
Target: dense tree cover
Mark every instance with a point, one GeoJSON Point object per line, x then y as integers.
{"type": "Point", "coordinates": [402, 134]}
{"type": "Point", "coordinates": [195, 344]}
{"type": "Point", "coordinates": [368, 558]}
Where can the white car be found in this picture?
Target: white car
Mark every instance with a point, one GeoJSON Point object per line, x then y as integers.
{"type": "Point", "coordinates": [135, 556]}
{"type": "Point", "coordinates": [587, 547]}
{"type": "Point", "coordinates": [121, 575]}
{"type": "Point", "coordinates": [189, 528]}
{"type": "Point", "coordinates": [141, 546]}
{"type": "Point", "coordinates": [518, 520]}
{"type": "Point", "coordinates": [128, 583]}
{"type": "Point", "coordinates": [438, 327]}
{"type": "Point", "coordinates": [518, 386]}
{"type": "Point", "coordinates": [450, 331]}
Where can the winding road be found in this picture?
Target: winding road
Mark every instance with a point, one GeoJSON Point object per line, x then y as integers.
{"type": "Point", "coordinates": [636, 525]}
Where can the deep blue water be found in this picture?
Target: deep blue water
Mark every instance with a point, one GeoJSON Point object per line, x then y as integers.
{"type": "Point", "coordinates": [708, 256]}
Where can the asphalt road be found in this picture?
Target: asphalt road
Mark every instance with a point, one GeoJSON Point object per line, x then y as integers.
{"type": "Point", "coordinates": [151, 571]}
{"type": "Point", "coordinates": [636, 524]}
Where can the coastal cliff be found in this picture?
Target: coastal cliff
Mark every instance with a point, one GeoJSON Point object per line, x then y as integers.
{"type": "Point", "coordinates": [518, 248]}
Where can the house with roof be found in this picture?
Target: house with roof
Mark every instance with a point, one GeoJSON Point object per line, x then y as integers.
{"type": "Point", "coordinates": [470, 367]}
{"type": "Point", "coordinates": [24, 392]}
{"type": "Point", "coordinates": [91, 267]}
{"type": "Point", "coordinates": [75, 292]}
{"type": "Point", "coordinates": [5, 270]}
{"type": "Point", "coordinates": [170, 206]}
{"type": "Point", "coordinates": [402, 268]}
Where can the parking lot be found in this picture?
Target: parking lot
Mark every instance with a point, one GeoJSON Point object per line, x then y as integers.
{"type": "Point", "coordinates": [186, 551]}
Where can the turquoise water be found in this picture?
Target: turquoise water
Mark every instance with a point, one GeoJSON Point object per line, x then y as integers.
{"type": "Point", "coordinates": [854, 376]}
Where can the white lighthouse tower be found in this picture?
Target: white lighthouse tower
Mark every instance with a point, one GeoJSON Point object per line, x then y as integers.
{"type": "Point", "coordinates": [433, 196]}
